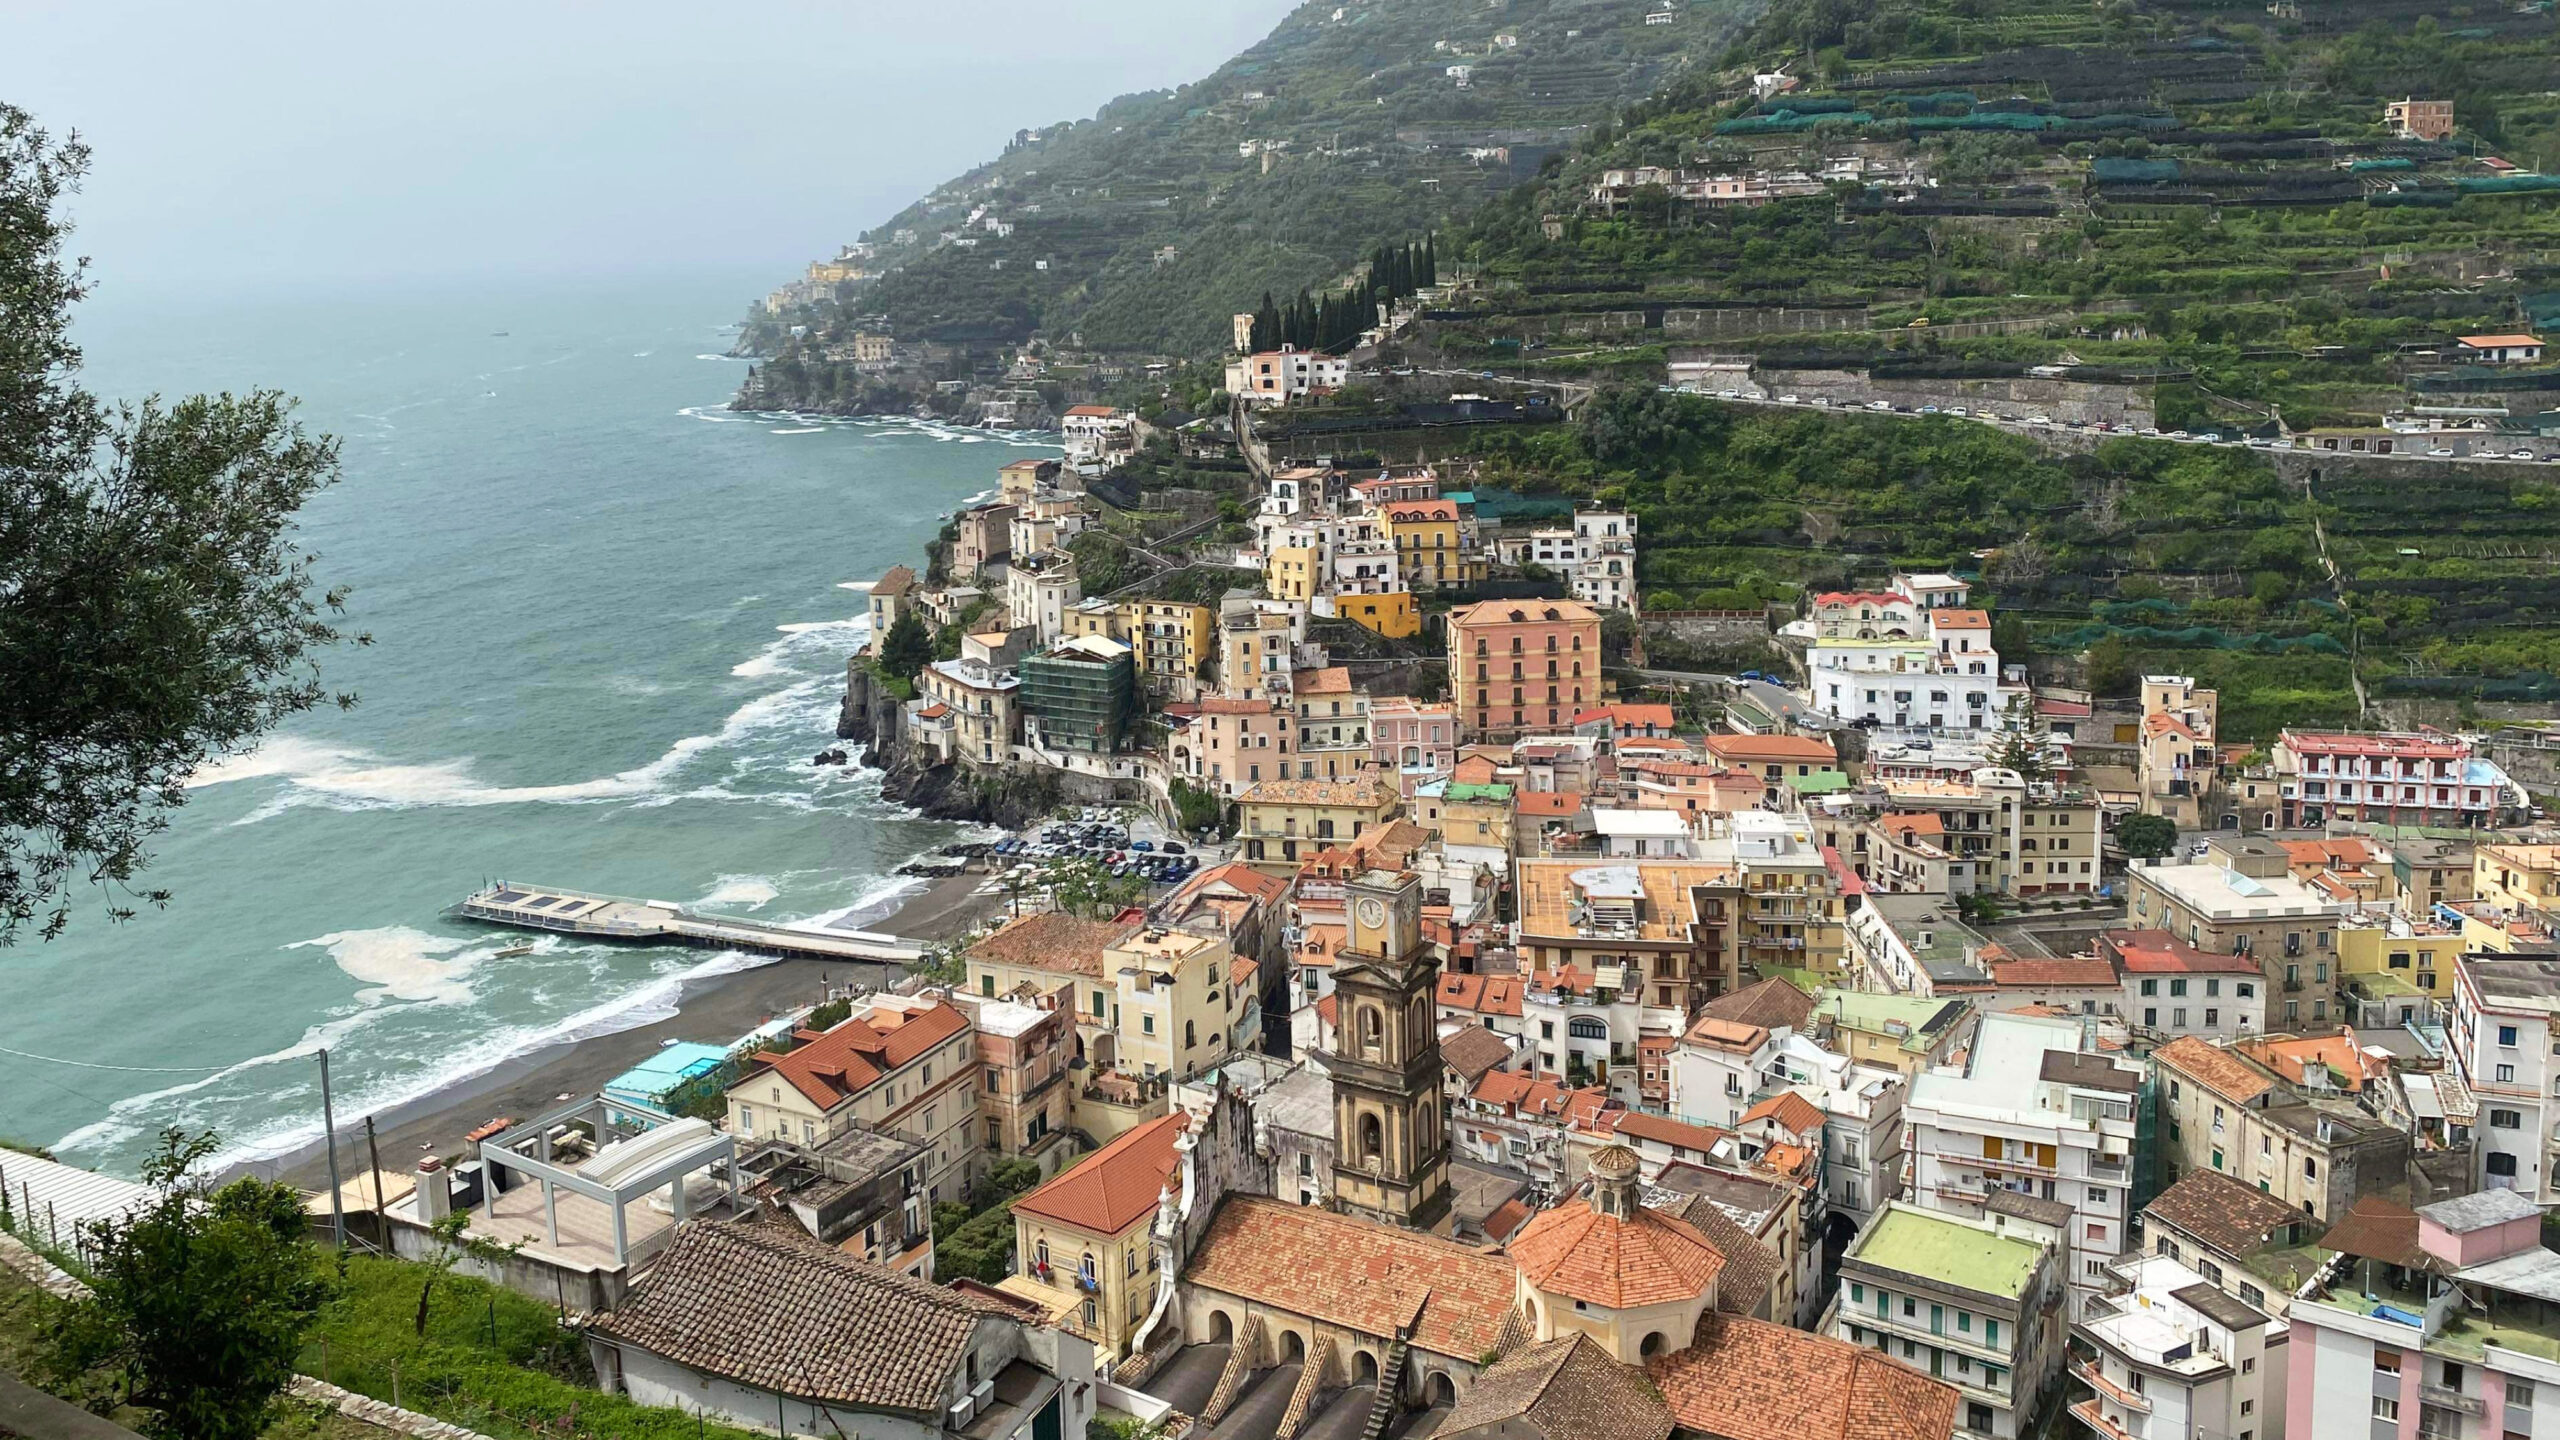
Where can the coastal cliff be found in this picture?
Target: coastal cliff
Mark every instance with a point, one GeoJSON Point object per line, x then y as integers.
{"type": "Point", "coordinates": [1010, 796]}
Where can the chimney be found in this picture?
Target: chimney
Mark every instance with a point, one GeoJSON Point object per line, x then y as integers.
{"type": "Point", "coordinates": [435, 1191]}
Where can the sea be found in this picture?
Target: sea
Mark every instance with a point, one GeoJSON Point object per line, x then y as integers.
{"type": "Point", "coordinates": [609, 619]}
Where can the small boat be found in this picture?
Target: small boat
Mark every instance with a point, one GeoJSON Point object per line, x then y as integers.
{"type": "Point", "coordinates": [512, 951]}
{"type": "Point", "coordinates": [498, 334]}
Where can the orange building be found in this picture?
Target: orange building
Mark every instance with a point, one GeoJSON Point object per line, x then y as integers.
{"type": "Point", "coordinates": [1523, 665]}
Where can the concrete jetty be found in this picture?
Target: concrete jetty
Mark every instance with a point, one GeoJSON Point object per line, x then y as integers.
{"type": "Point", "coordinates": [657, 922]}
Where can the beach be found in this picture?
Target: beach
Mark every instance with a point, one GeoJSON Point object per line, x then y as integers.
{"type": "Point", "coordinates": [715, 1010]}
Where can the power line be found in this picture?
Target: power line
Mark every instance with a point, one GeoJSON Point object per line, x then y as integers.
{"type": "Point", "coordinates": [129, 1069]}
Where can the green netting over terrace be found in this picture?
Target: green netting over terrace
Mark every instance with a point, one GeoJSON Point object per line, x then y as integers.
{"type": "Point", "coordinates": [2505, 184]}
{"type": "Point", "coordinates": [1512, 505]}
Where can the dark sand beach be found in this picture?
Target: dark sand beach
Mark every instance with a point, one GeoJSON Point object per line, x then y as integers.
{"type": "Point", "coordinates": [713, 1010]}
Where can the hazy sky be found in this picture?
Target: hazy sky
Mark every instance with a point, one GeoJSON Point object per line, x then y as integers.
{"type": "Point", "coordinates": [271, 143]}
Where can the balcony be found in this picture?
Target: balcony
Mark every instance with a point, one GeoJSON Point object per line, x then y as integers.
{"type": "Point", "coordinates": [2442, 1398]}
{"type": "Point", "coordinates": [2088, 1413]}
{"type": "Point", "coordinates": [2096, 1379]}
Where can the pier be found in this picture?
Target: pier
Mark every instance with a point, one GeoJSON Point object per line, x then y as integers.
{"type": "Point", "coordinates": [657, 922]}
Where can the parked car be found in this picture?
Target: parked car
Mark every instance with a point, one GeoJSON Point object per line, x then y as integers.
{"type": "Point", "coordinates": [2440, 453]}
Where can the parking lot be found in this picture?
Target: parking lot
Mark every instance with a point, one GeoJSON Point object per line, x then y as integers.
{"type": "Point", "coordinates": [1126, 843]}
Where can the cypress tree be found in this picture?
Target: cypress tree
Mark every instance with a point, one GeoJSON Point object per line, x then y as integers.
{"type": "Point", "coordinates": [1431, 260]}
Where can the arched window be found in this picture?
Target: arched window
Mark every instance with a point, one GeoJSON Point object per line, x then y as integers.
{"type": "Point", "coordinates": [1652, 1343]}
{"type": "Point", "coordinates": [1087, 1269]}
{"type": "Point", "coordinates": [1190, 1034]}
{"type": "Point", "coordinates": [1371, 1145]}
{"type": "Point", "coordinates": [1585, 1027]}
{"type": "Point", "coordinates": [1043, 1254]}
{"type": "Point", "coordinates": [1371, 1028]}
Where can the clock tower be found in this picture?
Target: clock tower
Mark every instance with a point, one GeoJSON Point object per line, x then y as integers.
{"type": "Point", "coordinates": [1390, 1123]}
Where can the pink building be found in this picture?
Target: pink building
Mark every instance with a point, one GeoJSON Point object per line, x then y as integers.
{"type": "Point", "coordinates": [2437, 1323]}
{"type": "Point", "coordinates": [1231, 745]}
{"type": "Point", "coordinates": [1413, 741]}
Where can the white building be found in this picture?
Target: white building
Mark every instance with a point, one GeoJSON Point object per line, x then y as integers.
{"type": "Point", "coordinates": [2178, 1358]}
{"type": "Point", "coordinates": [1039, 590]}
{"type": "Point", "coordinates": [2501, 1039]}
{"type": "Point", "coordinates": [2033, 1115]}
{"type": "Point", "coordinates": [1596, 555]}
{"type": "Point", "coordinates": [1092, 434]}
{"type": "Point", "coordinates": [1276, 377]}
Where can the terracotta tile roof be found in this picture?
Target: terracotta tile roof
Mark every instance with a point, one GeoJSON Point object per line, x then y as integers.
{"type": "Point", "coordinates": [1219, 705]}
{"type": "Point", "coordinates": [1483, 994]}
{"type": "Point", "coordinates": [1564, 1389]}
{"type": "Point", "coordinates": [1118, 1185]}
{"type": "Point", "coordinates": [1091, 411]}
{"type": "Point", "coordinates": [1354, 1273]}
{"type": "Point", "coordinates": [1794, 1112]}
{"type": "Point", "coordinates": [1750, 1267]}
{"type": "Point", "coordinates": [1771, 749]}
{"type": "Point", "coordinates": [1771, 1005]}
{"type": "Point", "coordinates": [1474, 770]}
{"type": "Point", "coordinates": [1860, 597]}
{"type": "Point", "coordinates": [1537, 1097]}
{"type": "Point", "coordinates": [2348, 1067]}
{"type": "Point", "coordinates": [1364, 791]}
{"type": "Point", "coordinates": [2033, 971]}
{"type": "Point", "coordinates": [2161, 722]}
{"type": "Point", "coordinates": [1331, 680]}
{"type": "Point", "coordinates": [1751, 1380]}
{"type": "Point", "coordinates": [1658, 717]}
{"type": "Point", "coordinates": [1532, 612]}
{"type": "Point", "coordinates": [1555, 804]}
{"type": "Point", "coordinates": [2222, 1212]}
{"type": "Point", "coordinates": [1663, 1130]}
{"type": "Point", "coordinates": [1237, 876]}
{"type": "Point", "coordinates": [2378, 1229]}
{"type": "Point", "coordinates": [1917, 823]}
{"type": "Point", "coordinates": [848, 1059]}
{"type": "Point", "coordinates": [1648, 1258]}
{"type": "Point", "coordinates": [1723, 1034]}
{"type": "Point", "coordinates": [1319, 942]}
{"type": "Point", "coordinates": [1949, 618]}
{"type": "Point", "coordinates": [2158, 952]}
{"type": "Point", "coordinates": [1407, 512]}
{"type": "Point", "coordinates": [786, 1316]}
{"type": "Point", "coordinates": [2347, 851]}
{"type": "Point", "coordinates": [1240, 973]}
{"type": "Point", "coordinates": [1052, 940]}
{"type": "Point", "coordinates": [1505, 1220]}
{"type": "Point", "coordinates": [2215, 1068]}
{"type": "Point", "coordinates": [1471, 1050]}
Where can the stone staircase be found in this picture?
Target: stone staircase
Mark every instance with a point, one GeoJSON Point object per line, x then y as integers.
{"type": "Point", "coordinates": [1390, 1400]}
{"type": "Point", "coordinates": [1240, 1357]}
{"type": "Point", "coordinates": [1322, 1364]}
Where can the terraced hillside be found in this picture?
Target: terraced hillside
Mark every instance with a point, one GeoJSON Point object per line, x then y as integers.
{"type": "Point", "coordinates": [1356, 122]}
{"type": "Point", "coordinates": [2200, 196]}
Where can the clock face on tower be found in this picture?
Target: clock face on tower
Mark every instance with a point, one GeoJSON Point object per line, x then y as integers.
{"type": "Point", "coordinates": [1373, 913]}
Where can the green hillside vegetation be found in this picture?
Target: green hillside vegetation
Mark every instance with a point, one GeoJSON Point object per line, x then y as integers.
{"type": "Point", "coordinates": [1367, 138]}
{"type": "Point", "coordinates": [2194, 192]}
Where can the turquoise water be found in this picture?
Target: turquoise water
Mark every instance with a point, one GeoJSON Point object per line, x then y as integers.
{"type": "Point", "coordinates": [610, 625]}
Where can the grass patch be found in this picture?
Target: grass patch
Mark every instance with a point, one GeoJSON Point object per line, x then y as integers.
{"type": "Point", "coordinates": [491, 1360]}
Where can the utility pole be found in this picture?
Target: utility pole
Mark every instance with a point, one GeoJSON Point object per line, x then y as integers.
{"type": "Point", "coordinates": [329, 1123]}
{"type": "Point", "coordinates": [381, 1211]}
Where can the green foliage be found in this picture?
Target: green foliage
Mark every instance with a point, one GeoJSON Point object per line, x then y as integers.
{"type": "Point", "coordinates": [976, 1239]}
{"type": "Point", "coordinates": [2147, 837]}
{"type": "Point", "coordinates": [155, 608]}
{"type": "Point", "coordinates": [489, 1360]}
{"type": "Point", "coordinates": [198, 1301]}
{"type": "Point", "coordinates": [907, 648]}
{"type": "Point", "coordinates": [1198, 809]}
{"type": "Point", "coordinates": [1086, 888]}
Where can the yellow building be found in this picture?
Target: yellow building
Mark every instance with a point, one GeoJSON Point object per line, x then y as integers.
{"type": "Point", "coordinates": [1098, 618]}
{"type": "Point", "coordinates": [1292, 572]}
{"type": "Point", "coordinates": [1430, 544]}
{"type": "Point", "coordinates": [1172, 637]}
{"type": "Point", "coordinates": [1394, 616]}
{"type": "Point", "coordinates": [1175, 1001]}
{"type": "Point", "coordinates": [2517, 877]}
{"type": "Point", "coordinates": [1285, 820]}
{"type": "Point", "coordinates": [1085, 1240]}
{"type": "Point", "coordinates": [2394, 968]}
